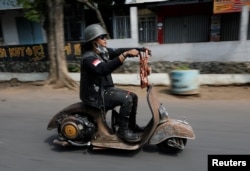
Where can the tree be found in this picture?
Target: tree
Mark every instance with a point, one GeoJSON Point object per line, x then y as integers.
{"type": "Point", "coordinates": [51, 13]}
{"type": "Point", "coordinates": [58, 73]}
{"type": "Point", "coordinates": [92, 6]}
{"type": "Point", "coordinates": [102, 3]}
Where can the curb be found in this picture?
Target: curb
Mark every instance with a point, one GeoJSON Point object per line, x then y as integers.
{"type": "Point", "coordinates": [134, 78]}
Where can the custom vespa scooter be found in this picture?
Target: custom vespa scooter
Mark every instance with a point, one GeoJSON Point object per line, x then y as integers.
{"type": "Point", "coordinates": [83, 125]}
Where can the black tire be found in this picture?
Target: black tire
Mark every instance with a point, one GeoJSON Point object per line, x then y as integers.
{"type": "Point", "coordinates": [165, 148]}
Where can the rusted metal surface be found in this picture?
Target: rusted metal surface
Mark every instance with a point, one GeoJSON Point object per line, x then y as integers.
{"type": "Point", "coordinates": [112, 141]}
{"type": "Point", "coordinates": [145, 69]}
{"type": "Point", "coordinates": [79, 107]}
{"type": "Point", "coordinates": [174, 128]}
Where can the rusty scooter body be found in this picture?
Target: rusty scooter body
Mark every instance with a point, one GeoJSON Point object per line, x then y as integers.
{"type": "Point", "coordinates": [82, 125]}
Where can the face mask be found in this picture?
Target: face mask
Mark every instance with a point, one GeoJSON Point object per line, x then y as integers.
{"type": "Point", "coordinates": [102, 51]}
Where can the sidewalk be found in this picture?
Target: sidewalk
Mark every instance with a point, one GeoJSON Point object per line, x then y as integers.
{"type": "Point", "coordinates": [133, 78]}
{"type": "Point", "coordinates": [32, 89]}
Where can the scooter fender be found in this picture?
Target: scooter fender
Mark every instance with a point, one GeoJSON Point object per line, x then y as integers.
{"type": "Point", "coordinates": [172, 128]}
{"type": "Point", "coordinates": [73, 109]}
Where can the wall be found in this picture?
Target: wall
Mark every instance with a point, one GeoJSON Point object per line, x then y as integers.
{"type": "Point", "coordinates": [227, 51]}
{"type": "Point", "coordinates": [237, 51]}
{"type": "Point", "coordinates": [9, 27]}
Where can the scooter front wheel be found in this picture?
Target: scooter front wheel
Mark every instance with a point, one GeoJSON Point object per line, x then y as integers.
{"type": "Point", "coordinates": [172, 145]}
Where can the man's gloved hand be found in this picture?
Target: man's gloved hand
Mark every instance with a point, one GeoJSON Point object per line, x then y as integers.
{"type": "Point", "coordinates": [131, 53]}
{"type": "Point", "coordinates": [143, 49]}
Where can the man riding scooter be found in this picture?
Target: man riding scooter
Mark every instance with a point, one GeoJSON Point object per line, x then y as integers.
{"type": "Point", "coordinates": [84, 123]}
{"type": "Point", "coordinates": [96, 85]}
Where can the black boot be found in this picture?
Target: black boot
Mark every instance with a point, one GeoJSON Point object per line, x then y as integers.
{"type": "Point", "coordinates": [126, 134]}
{"type": "Point", "coordinates": [133, 126]}
{"type": "Point", "coordinates": [137, 129]}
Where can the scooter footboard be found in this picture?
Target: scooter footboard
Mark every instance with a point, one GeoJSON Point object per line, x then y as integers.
{"type": "Point", "coordinates": [172, 128]}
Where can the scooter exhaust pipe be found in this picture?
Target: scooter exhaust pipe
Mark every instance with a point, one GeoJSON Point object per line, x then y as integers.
{"type": "Point", "coordinates": [79, 144]}
{"type": "Point", "coordinates": [59, 142]}
{"type": "Point", "coordinates": [69, 142]}
{"type": "Point", "coordinates": [176, 143]}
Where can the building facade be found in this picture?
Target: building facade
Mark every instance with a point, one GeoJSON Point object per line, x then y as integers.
{"type": "Point", "coordinates": [164, 26]}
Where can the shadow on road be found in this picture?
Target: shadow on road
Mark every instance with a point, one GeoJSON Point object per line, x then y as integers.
{"type": "Point", "coordinates": [107, 152]}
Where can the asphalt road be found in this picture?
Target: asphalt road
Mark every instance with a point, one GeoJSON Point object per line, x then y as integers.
{"type": "Point", "coordinates": [221, 127]}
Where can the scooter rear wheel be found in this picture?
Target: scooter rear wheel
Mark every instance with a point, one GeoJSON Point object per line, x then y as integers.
{"type": "Point", "coordinates": [172, 145]}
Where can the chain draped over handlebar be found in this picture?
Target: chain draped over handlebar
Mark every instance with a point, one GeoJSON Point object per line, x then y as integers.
{"type": "Point", "coordinates": [145, 69]}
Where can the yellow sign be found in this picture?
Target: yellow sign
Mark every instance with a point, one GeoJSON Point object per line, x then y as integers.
{"type": "Point", "coordinates": [226, 6]}
{"type": "Point", "coordinates": [37, 52]}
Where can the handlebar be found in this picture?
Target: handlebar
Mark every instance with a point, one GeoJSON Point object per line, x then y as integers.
{"type": "Point", "coordinates": [143, 49]}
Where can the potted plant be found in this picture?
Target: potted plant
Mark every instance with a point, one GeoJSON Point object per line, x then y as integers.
{"type": "Point", "coordinates": [184, 81]}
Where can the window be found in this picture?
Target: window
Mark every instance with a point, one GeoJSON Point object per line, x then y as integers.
{"type": "Point", "coordinates": [73, 21]}
{"type": "Point", "coordinates": [1, 33]}
{"type": "Point", "coordinates": [29, 32]}
{"type": "Point", "coordinates": [121, 27]}
{"type": "Point", "coordinates": [147, 29]}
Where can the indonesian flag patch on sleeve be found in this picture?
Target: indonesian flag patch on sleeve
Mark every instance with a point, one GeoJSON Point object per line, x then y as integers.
{"type": "Point", "coordinates": [96, 62]}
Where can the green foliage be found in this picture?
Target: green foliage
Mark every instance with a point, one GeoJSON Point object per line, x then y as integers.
{"type": "Point", "coordinates": [33, 10]}
{"type": "Point", "coordinates": [73, 68]}
{"type": "Point", "coordinates": [181, 67]}
{"type": "Point", "coordinates": [36, 10]}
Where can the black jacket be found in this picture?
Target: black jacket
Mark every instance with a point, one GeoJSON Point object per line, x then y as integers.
{"type": "Point", "coordinates": [96, 74]}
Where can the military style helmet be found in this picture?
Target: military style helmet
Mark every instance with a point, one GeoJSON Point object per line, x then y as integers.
{"type": "Point", "coordinates": [93, 31]}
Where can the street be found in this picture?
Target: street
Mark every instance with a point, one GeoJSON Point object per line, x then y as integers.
{"type": "Point", "coordinates": [221, 127]}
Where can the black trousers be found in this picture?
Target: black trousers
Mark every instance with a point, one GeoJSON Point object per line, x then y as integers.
{"type": "Point", "coordinates": [127, 101]}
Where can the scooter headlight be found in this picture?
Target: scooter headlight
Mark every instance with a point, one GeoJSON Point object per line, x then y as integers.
{"type": "Point", "coordinates": [163, 113]}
